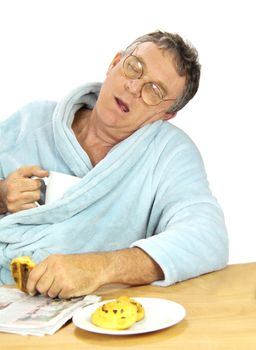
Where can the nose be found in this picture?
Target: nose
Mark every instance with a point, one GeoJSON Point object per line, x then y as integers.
{"type": "Point", "coordinates": [134, 87]}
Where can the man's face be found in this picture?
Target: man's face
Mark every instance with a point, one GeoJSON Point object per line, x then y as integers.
{"type": "Point", "coordinates": [120, 105]}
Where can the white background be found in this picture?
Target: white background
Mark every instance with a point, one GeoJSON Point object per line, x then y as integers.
{"type": "Point", "coordinates": [49, 47]}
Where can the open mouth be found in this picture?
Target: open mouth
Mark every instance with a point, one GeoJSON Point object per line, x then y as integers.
{"type": "Point", "coordinates": [122, 105]}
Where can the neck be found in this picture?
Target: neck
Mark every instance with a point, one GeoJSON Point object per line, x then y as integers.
{"type": "Point", "coordinates": [95, 140]}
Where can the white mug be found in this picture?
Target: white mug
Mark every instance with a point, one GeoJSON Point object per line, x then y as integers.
{"type": "Point", "coordinates": [55, 185]}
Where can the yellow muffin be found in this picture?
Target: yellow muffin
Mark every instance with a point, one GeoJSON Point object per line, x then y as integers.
{"type": "Point", "coordinates": [140, 309]}
{"type": "Point", "coordinates": [20, 269]}
{"type": "Point", "coordinates": [119, 314]}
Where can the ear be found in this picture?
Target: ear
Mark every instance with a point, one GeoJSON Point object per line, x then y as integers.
{"type": "Point", "coordinates": [169, 116]}
{"type": "Point", "coordinates": [115, 60]}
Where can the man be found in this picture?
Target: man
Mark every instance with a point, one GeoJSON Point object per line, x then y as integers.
{"type": "Point", "coordinates": [143, 211]}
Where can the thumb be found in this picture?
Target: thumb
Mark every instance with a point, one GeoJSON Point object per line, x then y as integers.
{"type": "Point", "coordinates": [34, 170]}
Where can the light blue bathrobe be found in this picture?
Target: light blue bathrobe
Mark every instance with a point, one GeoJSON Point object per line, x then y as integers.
{"type": "Point", "coordinates": [150, 191]}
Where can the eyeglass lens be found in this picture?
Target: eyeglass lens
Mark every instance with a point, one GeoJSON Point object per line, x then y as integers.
{"type": "Point", "coordinates": [150, 92]}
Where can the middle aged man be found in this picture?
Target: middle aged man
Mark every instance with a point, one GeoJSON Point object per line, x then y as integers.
{"type": "Point", "coordinates": [143, 211]}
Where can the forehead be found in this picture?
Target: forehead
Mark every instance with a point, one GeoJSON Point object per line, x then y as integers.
{"type": "Point", "coordinates": [160, 65]}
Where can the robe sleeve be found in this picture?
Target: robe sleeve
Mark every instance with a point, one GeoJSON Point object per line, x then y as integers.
{"type": "Point", "coordinates": [190, 234]}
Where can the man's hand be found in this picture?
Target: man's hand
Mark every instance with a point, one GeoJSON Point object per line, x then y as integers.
{"type": "Point", "coordinates": [19, 191]}
{"type": "Point", "coordinates": [67, 276]}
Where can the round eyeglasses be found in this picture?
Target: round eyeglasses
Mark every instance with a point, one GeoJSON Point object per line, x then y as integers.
{"type": "Point", "coordinates": [151, 93]}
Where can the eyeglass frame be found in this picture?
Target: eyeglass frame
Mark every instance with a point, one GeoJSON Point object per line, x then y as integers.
{"type": "Point", "coordinates": [149, 82]}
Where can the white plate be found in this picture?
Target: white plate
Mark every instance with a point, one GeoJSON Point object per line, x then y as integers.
{"type": "Point", "coordinates": [159, 314]}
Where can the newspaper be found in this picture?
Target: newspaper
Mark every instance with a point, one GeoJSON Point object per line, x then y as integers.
{"type": "Point", "coordinates": [23, 314]}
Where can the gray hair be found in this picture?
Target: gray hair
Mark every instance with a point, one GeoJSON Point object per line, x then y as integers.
{"type": "Point", "coordinates": [186, 59]}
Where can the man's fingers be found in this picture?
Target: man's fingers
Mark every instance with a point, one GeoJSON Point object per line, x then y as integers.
{"type": "Point", "coordinates": [66, 293]}
{"type": "Point", "coordinates": [34, 170]}
{"type": "Point", "coordinates": [35, 276]}
{"type": "Point", "coordinates": [21, 189]}
{"type": "Point", "coordinates": [22, 200]}
{"type": "Point", "coordinates": [20, 184]}
{"type": "Point", "coordinates": [31, 184]}
{"type": "Point", "coordinates": [44, 283]}
{"type": "Point", "coordinates": [64, 276]}
{"type": "Point", "coordinates": [30, 196]}
{"type": "Point", "coordinates": [54, 290]}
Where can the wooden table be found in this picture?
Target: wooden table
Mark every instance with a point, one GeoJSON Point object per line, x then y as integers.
{"type": "Point", "coordinates": [221, 314]}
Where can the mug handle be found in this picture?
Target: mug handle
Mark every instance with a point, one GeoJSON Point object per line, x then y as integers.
{"type": "Point", "coordinates": [41, 200]}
